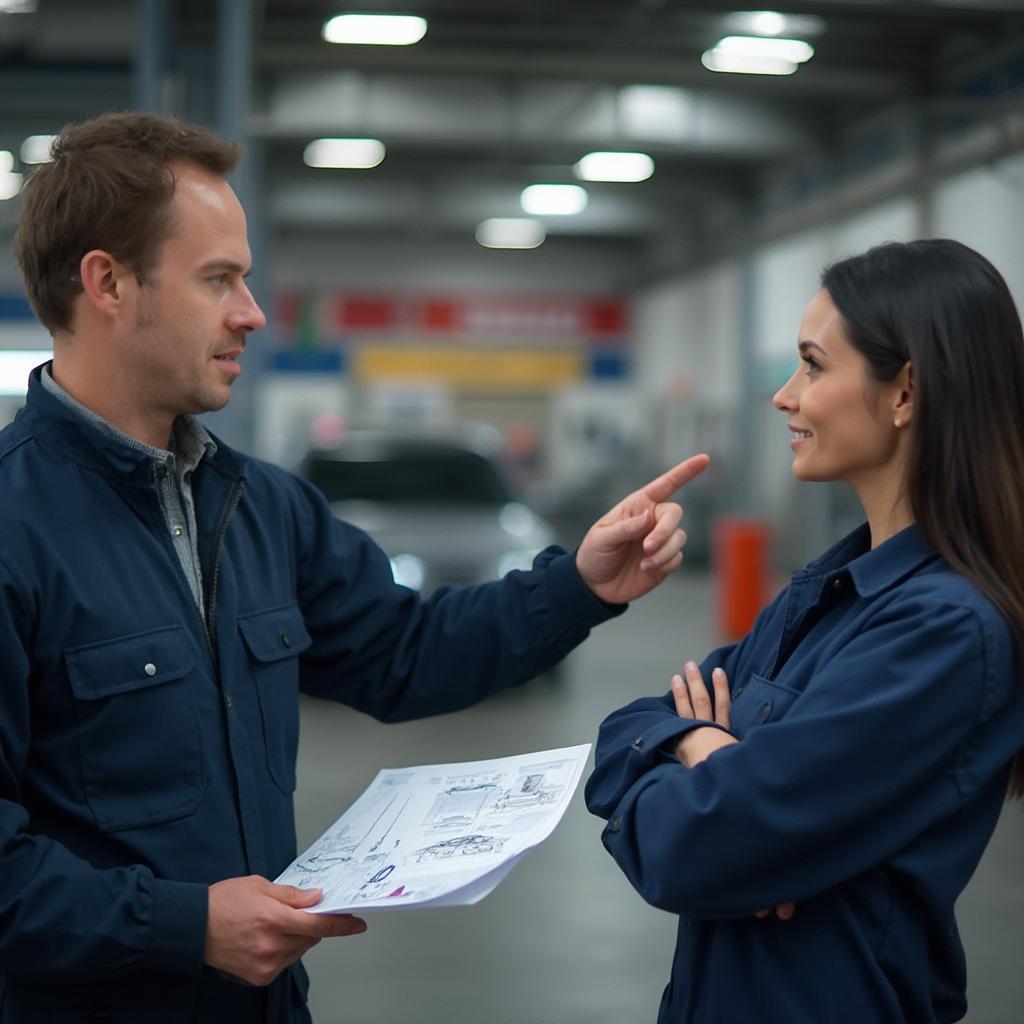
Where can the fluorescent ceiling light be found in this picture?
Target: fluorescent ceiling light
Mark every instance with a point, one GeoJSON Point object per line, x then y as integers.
{"type": "Point", "coordinates": [6, 161]}
{"type": "Point", "coordinates": [604, 166]}
{"type": "Point", "coordinates": [737, 64]}
{"type": "Point", "coordinates": [510, 233]}
{"type": "Point", "coordinates": [375, 29]}
{"type": "Point", "coordinates": [10, 184]}
{"type": "Point", "coordinates": [355, 154]}
{"type": "Point", "coordinates": [766, 23]}
{"type": "Point", "coordinates": [17, 6]}
{"type": "Point", "coordinates": [773, 23]}
{"type": "Point", "coordinates": [16, 365]}
{"type": "Point", "coordinates": [36, 149]}
{"type": "Point", "coordinates": [796, 51]}
{"type": "Point", "coordinates": [554, 200]}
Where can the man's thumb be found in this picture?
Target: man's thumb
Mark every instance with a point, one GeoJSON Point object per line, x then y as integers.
{"type": "Point", "coordinates": [295, 897]}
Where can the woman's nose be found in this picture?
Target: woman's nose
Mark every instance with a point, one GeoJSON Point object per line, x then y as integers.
{"type": "Point", "coordinates": [785, 399]}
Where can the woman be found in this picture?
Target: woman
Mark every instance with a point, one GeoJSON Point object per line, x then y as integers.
{"type": "Point", "coordinates": [845, 763]}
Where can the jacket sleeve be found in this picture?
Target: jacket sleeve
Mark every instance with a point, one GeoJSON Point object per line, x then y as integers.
{"type": "Point", "coordinates": [61, 918]}
{"type": "Point", "coordinates": [643, 734]}
{"type": "Point", "coordinates": [380, 648]}
{"type": "Point", "coordinates": [866, 759]}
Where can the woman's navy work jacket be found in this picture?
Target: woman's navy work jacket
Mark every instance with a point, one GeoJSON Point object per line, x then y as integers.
{"type": "Point", "coordinates": [146, 752]}
{"type": "Point", "coordinates": [878, 704]}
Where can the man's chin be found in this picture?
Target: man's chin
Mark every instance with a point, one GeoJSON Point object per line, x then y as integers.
{"type": "Point", "coordinates": [209, 401]}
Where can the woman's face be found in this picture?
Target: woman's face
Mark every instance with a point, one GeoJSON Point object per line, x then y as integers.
{"type": "Point", "coordinates": [842, 421]}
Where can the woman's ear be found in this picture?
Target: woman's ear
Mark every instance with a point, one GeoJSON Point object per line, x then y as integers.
{"type": "Point", "coordinates": [903, 396]}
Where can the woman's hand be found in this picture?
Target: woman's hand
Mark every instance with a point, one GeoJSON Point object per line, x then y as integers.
{"type": "Point", "coordinates": [692, 701]}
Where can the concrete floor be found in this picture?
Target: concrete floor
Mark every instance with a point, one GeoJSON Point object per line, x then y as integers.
{"type": "Point", "coordinates": [564, 939]}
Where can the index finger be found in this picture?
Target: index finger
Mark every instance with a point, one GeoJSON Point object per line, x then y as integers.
{"type": "Point", "coordinates": [668, 483]}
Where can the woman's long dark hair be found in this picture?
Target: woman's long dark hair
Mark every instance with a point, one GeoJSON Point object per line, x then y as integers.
{"type": "Point", "coordinates": [947, 310]}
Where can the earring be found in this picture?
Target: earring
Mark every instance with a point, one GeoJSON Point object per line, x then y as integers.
{"type": "Point", "coordinates": [897, 423]}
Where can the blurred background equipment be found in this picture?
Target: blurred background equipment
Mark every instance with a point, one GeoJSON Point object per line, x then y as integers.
{"type": "Point", "coordinates": [441, 506]}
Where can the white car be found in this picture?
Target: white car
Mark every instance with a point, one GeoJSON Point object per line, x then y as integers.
{"type": "Point", "coordinates": [440, 505]}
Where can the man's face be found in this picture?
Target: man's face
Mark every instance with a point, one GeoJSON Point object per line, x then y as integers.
{"type": "Point", "coordinates": [194, 312]}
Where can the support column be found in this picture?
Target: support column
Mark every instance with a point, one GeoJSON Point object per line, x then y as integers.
{"type": "Point", "coordinates": [236, 422]}
{"type": "Point", "coordinates": [149, 87]}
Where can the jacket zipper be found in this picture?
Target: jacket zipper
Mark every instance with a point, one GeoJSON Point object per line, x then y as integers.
{"type": "Point", "coordinates": [211, 602]}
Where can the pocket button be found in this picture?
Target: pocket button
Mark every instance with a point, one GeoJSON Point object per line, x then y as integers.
{"type": "Point", "coordinates": [149, 668]}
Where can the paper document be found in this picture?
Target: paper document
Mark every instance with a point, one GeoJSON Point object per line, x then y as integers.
{"type": "Point", "coordinates": [439, 834]}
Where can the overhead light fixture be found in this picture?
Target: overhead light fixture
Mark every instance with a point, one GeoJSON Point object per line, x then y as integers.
{"type": "Point", "coordinates": [609, 166]}
{"type": "Point", "coordinates": [16, 365]}
{"type": "Point", "coordinates": [10, 184]}
{"type": "Point", "coordinates": [17, 6]}
{"type": "Point", "coordinates": [510, 233]}
{"type": "Point", "coordinates": [375, 29]}
{"type": "Point", "coordinates": [774, 23]}
{"type": "Point", "coordinates": [766, 23]}
{"type": "Point", "coordinates": [794, 50]}
{"type": "Point", "coordinates": [757, 55]}
{"type": "Point", "coordinates": [351, 154]}
{"type": "Point", "coordinates": [732, 63]}
{"type": "Point", "coordinates": [36, 149]}
{"type": "Point", "coordinates": [553, 200]}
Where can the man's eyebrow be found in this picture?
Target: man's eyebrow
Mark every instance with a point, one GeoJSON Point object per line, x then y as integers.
{"type": "Point", "coordinates": [805, 345]}
{"type": "Point", "coordinates": [225, 264]}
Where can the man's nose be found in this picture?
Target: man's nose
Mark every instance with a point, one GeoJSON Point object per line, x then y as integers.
{"type": "Point", "coordinates": [249, 316]}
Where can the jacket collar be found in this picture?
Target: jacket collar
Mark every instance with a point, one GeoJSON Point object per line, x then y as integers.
{"type": "Point", "coordinates": [68, 435]}
{"type": "Point", "coordinates": [873, 571]}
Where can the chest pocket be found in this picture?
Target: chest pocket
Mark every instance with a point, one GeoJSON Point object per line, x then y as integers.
{"type": "Point", "coordinates": [758, 702]}
{"type": "Point", "coordinates": [274, 639]}
{"type": "Point", "coordinates": [139, 737]}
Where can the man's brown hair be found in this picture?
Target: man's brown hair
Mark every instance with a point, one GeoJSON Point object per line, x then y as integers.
{"type": "Point", "coordinates": [109, 186]}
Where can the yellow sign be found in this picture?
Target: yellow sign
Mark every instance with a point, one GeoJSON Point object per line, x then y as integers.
{"type": "Point", "coordinates": [466, 369]}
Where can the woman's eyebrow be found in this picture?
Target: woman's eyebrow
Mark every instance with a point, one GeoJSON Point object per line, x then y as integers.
{"type": "Point", "coordinates": [803, 346]}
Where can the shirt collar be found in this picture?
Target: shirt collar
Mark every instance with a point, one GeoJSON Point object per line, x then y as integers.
{"type": "Point", "coordinates": [874, 570]}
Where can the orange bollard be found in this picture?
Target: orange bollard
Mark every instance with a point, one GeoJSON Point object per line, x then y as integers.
{"type": "Point", "coordinates": [739, 559]}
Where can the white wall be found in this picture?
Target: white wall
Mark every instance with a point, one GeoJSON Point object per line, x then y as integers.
{"type": "Point", "coordinates": [985, 209]}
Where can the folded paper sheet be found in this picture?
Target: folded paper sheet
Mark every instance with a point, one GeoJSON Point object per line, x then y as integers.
{"type": "Point", "coordinates": [438, 835]}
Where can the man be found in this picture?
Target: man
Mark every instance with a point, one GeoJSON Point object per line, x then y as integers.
{"type": "Point", "coordinates": [164, 599]}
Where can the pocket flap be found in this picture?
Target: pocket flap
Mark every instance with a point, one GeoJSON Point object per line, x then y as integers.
{"type": "Point", "coordinates": [275, 634]}
{"type": "Point", "coordinates": [128, 662]}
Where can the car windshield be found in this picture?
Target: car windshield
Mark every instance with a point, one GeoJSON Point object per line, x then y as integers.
{"type": "Point", "coordinates": [450, 477]}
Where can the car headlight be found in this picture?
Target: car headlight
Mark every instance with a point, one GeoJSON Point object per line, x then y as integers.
{"type": "Point", "coordinates": [517, 558]}
{"type": "Point", "coordinates": [408, 571]}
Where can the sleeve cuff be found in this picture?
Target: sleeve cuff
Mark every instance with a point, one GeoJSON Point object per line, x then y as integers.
{"type": "Point", "coordinates": [573, 599]}
{"type": "Point", "coordinates": [660, 740]}
{"type": "Point", "coordinates": [177, 927]}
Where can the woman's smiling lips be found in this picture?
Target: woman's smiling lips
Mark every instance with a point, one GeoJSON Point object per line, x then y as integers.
{"type": "Point", "coordinates": [799, 436]}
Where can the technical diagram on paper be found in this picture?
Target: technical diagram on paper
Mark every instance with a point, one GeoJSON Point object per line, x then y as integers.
{"type": "Point", "coordinates": [440, 834]}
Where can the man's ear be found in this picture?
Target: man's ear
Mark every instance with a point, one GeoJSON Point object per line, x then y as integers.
{"type": "Point", "coordinates": [903, 396]}
{"type": "Point", "coordinates": [103, 280]}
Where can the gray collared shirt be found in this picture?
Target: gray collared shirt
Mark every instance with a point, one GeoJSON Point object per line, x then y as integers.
{"type": "Point", "coordinates": [190, 443]}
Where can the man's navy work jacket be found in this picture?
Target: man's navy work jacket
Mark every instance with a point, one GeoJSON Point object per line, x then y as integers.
{"type": "Point", "coordinates": [146, 752]}
{"type": "Point", "coordinates": [878, 704]}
